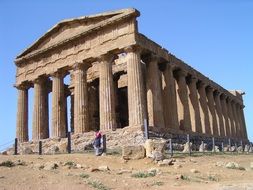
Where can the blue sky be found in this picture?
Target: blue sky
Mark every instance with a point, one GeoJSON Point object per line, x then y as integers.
{"type": "Point", "coordinates": [215, 37]}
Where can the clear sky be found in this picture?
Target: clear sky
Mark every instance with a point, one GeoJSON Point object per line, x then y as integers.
{"type": "Point", "coordinates": [213, 36]}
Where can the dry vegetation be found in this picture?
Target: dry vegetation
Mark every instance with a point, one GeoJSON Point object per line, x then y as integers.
{"type": "Point", "coordinates": [86, 171]}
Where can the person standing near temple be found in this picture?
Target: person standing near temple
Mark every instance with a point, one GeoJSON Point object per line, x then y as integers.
{"type": "Point", "coordinates": [97, 143]}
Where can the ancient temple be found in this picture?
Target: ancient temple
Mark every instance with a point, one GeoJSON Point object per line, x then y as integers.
{"type": "Point", "coordinates": [118, 78]}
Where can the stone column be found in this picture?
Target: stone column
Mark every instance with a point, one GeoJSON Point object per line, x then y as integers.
{"type": "Point", "coordinates": [22, 115]}
{"type": "Point", "coordinates": [154, 94]}
{"type": "Point", "coordinates": [236, 127]}
{"type": "Point", "coordinates": [243, 123]}
{"type": "Point", "coordinates": [40, 110]}
{"type": "Point", "coordinates": [136, 101]}
{"type": "Point", "coordinates": [230, 117]}
{"type": "Point", "coordinates": [80, 99]}
{"type": "Point", "coordinates": [205, 122]}
{"type": "Point", "coordinates": [170, 98]}
{"type": "Point", "coordinates": [212, 113]}
{"type": "Point", "coordinates": [194, 105]}
{"type": "Point", "coordinates": [225, 115]}
{"type": "Point", "coordinates": [106, 94]}
{"type": "Point", "coordinates": [240, 129]}
{"type": "Point", "coordinates": [182, 101]}
{"type": "Point", "coordinates": [220, 118]}
{"type": "Point", "coordinates": [58, 106]}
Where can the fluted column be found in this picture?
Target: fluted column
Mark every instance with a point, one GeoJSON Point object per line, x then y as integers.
{"type": "Point", "coordinates": [40, 110]}
{"type": "Point", "coordinates": [243, 123]}
{"type": "Point", "coordinates": [136, 101]}
{"type": "Point", "coordinates": [225, 115]}
{"type": "Point", "coordinates": [182, 102]}
{"type": "Point", "coordinates": [220, 118]}
{"type": "Point", "coordinates": [170, 98]}
{"type": "Point", "coordinates": [212, 113]}
{"type": "Point", "coordinates": [240, 129]}
{"type": "Point", "coordinates": [236, 127]}
{"type": "Point", "coordinates": [205, 122]}
{"type": "Point", "coordinates": [106, 94]}
{"type": "Point", "coordinates": [80, 99]}
{"type": "Point", "coordinates": [154, 94]}
{"type": "Point", "coordinates": [194, 105]}
{"type": "Point", "coordinates": [58, 106]}
{"type": "Point", "coordinates": [22, 115]}
{"type": "Point", "coordinates": [230, 117]}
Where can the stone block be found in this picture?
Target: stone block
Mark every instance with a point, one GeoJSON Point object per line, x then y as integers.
{"type": "Point", "coordinates": [133, 152]}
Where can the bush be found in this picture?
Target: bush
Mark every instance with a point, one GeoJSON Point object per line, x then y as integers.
{"type": "Point", "coordinates": [7, 163]}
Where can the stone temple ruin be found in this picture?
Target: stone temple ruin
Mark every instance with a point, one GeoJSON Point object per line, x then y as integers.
{"type": "Point", "coordinates": [118, 78]}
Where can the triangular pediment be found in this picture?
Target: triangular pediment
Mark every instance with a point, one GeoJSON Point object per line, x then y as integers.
{"type": "Point", "coordinates": [68, 29]}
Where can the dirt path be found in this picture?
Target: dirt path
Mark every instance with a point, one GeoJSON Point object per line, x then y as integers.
{"type": "Point", "coordinates": [206, 172]}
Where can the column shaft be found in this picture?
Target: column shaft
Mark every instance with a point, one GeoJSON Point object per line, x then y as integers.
{"type": "Point", "coordinates": [220, 120]}
{"type": "Point", "coordinates": [58, 107]}
{"type": "Point", "coordinates": [194, 105]}
{"type": "Point", "coordinates": [22, 115]}
{"type": "Point", "coordinates": [106, 94]}
{"type": "Point", "coordinates": [225, 115]}
{"type": "Point", "coordinates": [170, 98]}
{"type": "Point", "coordinates": [230, 117]}
{"type": "Point", "coordinates": [182, 102]}
{"type": "Point", "coordinates": [236, 130]}
{"type": "Point", "coordinates": [205, 122]}
{"type": "Point", "coordinates": [80, 100]}
{"type": "Point", "coordinates": [40, 110]}
{"type": "Point", "coordinates": [154, 95]}
{"type": "Point", "coordinates": [136, 101]}
{"type": "Point", "coordinates": [212, 111]}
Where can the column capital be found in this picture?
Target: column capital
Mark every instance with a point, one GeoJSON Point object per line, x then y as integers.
{"type": "Point", "coordinates": [80, 66]}
{"type": "Point", "coordinates": [22, 86]}
{"type": "Point", "coordinates": [201, 84]}
{"type": "Point", "coordinates": [133, 48]}
{"type": "Point", "coordinates": [58, 74]}
{"type": "Point", "coordinates": [193, 79]}
{"type": "Point", "coordinates": [108, 57]}
{"type": "Point", "coordinates": [182, 73]}
{"type": "Point", "coordinates": [210, 89]}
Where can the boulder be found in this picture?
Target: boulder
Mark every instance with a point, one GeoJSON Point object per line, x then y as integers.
{"type": "Point", "coordinates": [154, 146]}
{"type": "Point", "coordinates": [187, 147]}
{"type": "Point", "coordinates": [216, 149]}
{"type": "Point", "coordinates": [133, 152]}
{"type": "Point", "coordinates": [157, 156]}
{"type": "Point", "coordinates": [251, 165]}
{"type": "Point", "coordinates": [246, 148]}
{"type": "Point", "coordinates": [203, 147]}
{"type": "Point", "coordinates": [240, 149]}
{"type": "Point", "coordinates": [250, 149]}
{"type": "Point", "coordinates": [232, 149]}
{"type": "Point", "coordinates": [103, 168]}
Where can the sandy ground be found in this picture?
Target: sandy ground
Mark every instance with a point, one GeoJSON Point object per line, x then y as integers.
{"type": "Point", "coordinates": [120, 174]}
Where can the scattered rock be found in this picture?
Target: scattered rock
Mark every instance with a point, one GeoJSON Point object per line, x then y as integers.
{"type": "Point", "coordinates": [203, 147]}
{"type": "Point", "coordinates": [234, 165]}
{"type": "Point", "coordinates": [240, 149]}
{"type": "Point", "coordinates": [154, 146]}
{"type": "Point", "coordinates": [94, 170]}
{"type": "Point", "coordinates": [216, 149]}
{"type": "Point", "coordinates": [50, 166]}
{"type": "Point", "coordinates": [157, 156]}
{"type": "Point", "coordinates": [232, 149]}
{"type": "Point", "coordinates": [154, 171]}
{"type": "Point", "coordinates": [187, 147]}
{"type": "Point", "coordinates": [250, 149]}
{"type": "Point", "coordinates": [194, 171]}
{"type": "Point", "coordinates": [4, 153]}
{"type": "Point", "coordinates": [246, 148]}
{"type": "Point", "coordinates": [103, 168]}
{"type": "Point", "coordinates": [133, 152]}
{"type": "Point", "coordinates": [79, 166]}
{"type": "Point", "coordinates": [1, 177]}
{"type": "Point", "coordinates": [220, 164]}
